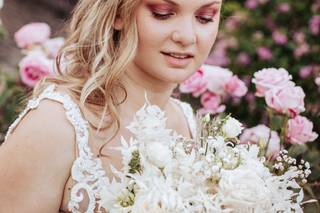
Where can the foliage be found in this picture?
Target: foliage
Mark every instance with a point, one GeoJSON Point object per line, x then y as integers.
{"type": "Point", "coordinates": [289, 33]}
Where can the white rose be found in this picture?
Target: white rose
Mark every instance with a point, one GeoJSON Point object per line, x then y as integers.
{"type": "Point", "coordinates": [242, 189]}
{"type": "Point", "coordinates": [232, 128]}
{"type": "Point", "coordinates": [158, 154]}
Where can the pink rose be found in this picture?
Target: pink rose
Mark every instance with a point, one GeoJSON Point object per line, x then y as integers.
{"type": "Point", "coordinates": [314, 25]}
{"type": "Point", "coordinates": [218, 57]}
{"type": "Point", "coordinates": [299, 37]}
{"type": "Point", "coordinates": [217, 78]}
{"type": "Point", "coordinates": [243, 59]}
{"type": "Point", "coordinates": [52, 46]}
{"type": "Point", "coordinates": [33, 67]}
{"type": "Point", "coordinates": [264, 53]}
{"type": "Point", "coordinates": [251, 4]}
{"type": "Point", "coordinates": [279, 38]}
{"type": "Point", "coordinates": [271, 78]}
{"type": "Point", "coordinates": [211, 103]}
{"type": "Point", "coordinates": [32, 33]}
{"type": "Point", "coordinates": [231, 23]}
{"type": "Point", "coordinates": [288, 100]}
{"type": "Point", "coordinates": [299, 130]}
{"type": "Point", "coordinates": [305, 71]}
{"type": "Point", "coordinates": [260, 135]}
{"type": "Point", "coordinates": [235, 87]}
{"type": "Point", "coordinates": [196, 84]}
{"type": "Point", "coordinates": [301, 50]}
{"type": "Point", "coordinates": [284, 7]}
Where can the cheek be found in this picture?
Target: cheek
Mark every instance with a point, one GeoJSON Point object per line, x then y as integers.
{"type": "Point", "coordinates": [151, 33]}
{"type": "Point", "coordinates": [207, 39]}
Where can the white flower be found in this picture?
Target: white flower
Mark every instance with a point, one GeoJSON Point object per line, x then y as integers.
{"type": "Point", "coordinates": [117, 198]}
{"type": "Point", "coordinates": [156, 194]}
{"type": "Point", "coordinates": [217, 142]}
{"type": "Point", "coordinates": [127, 149]}
{"type": "Point", "coordinates": [149, 124]}
{"type": "Point", "coordinates": [232, 128]}
{"type": "Point", "coordinates": [243, 190]}
{"type": "Point", "coordinates": [158, 154]}
{"type": "Point", "coordinates": [286, 193]}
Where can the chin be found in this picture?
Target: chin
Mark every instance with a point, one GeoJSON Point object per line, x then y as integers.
{"type": "Point", "coordinates": [177, 76]}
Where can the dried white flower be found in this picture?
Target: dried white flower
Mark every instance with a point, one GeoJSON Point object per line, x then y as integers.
{"type": "Point", "coordinates": [232, 128]}
{"type": "Point", "coordinates": [158, 154]}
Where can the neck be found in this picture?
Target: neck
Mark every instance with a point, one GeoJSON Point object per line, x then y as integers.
{"type": "Point", "coordinates": [138, 85]}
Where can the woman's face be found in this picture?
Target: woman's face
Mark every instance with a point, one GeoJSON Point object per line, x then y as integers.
{"type": "Point", "coordinates": [175, 37]}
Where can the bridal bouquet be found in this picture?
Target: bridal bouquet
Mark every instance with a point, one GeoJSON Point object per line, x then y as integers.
{"type": "Point", "coordinates": [164, 172]}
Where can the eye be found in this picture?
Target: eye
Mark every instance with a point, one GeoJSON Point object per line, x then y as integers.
{"type": "Point", "coordinates": [161, 16]}
{"type": "Point", "coordinates": [204, 20]}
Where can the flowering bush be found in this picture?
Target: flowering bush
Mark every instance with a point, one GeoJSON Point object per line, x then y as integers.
{"type": "Point", "coordinates": [284, 100]}
{"type": "Point", "coordinates": [39, 52]}
{"type": "Point", "coordinates": [256, 34]}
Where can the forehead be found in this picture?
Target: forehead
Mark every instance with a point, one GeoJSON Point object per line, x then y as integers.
{"type": "Point", "coordinates": [187, 3]}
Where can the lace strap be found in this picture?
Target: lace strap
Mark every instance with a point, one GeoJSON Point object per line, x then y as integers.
{"type": "Point", "coordinates": [86, 170]}
{"type": "Point", "coordinates": [188, 112]}
{"type": "Point", "coordinates": [73, 114]}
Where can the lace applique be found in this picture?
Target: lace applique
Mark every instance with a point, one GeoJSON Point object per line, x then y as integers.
{"type": "Point", "coordinates": [86, 171]}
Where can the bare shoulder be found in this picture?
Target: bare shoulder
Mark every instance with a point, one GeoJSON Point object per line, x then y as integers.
{"type": "Point", "coordinates": [36, 159]}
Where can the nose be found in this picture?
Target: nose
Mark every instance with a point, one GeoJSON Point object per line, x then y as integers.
{"type": "Point", "coordinates": [185, 32]}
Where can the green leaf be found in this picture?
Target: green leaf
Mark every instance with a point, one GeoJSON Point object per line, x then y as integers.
{"type": "Point", "coordinates": [298, 149]}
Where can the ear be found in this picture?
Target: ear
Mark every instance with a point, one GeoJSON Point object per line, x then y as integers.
{"type": "Point", "coordinates": [118, 24]}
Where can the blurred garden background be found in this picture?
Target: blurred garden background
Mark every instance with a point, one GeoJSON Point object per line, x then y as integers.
{"type": "Point", "coordinates": [254, 34]}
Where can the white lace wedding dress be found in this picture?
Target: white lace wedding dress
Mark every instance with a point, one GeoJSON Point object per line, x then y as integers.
{"type": "Point", "coordinates": [87, 172]}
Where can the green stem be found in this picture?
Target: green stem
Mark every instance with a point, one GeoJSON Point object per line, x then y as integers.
{"type": "Point", "coordinates": [270, 117]}
{"type": "Point", "coordinates": [284, 130]}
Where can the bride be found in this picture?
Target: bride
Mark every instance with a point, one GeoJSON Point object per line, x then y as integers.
{"type": "Point", "coordinates": [57, 154]}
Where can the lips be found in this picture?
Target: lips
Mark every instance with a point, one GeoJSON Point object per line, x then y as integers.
{"type": "Point", "coordinates": [178, 55]}
{"type": "Point", "coordinates": [177, 60]}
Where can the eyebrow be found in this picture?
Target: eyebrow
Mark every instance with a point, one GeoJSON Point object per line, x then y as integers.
{"type": "Point", "coordinates": [206, 5]}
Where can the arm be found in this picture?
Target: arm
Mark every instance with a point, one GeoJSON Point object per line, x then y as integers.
{"type": "Point", "coordinates": [36, 160]}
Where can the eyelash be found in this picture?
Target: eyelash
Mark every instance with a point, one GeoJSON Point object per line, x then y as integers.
{"type": "Point", "coordinates": [166, 16]}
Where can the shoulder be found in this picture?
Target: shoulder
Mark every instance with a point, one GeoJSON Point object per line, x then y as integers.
{"type": "Point", "coordinates": [44, 123]}
{"type": "Point", "coordinates": [41, 150]}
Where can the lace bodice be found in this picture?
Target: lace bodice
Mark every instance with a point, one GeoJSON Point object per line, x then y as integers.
{"type": "Point", "coordinates": [87, 171]}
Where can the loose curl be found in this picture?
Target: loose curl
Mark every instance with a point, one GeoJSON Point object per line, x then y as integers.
{"type": "Point", "coordinates": [94, 57]}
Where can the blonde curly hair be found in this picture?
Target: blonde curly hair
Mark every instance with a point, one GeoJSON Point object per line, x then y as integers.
{"type": "Point", "coordinates": [94, 57]}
